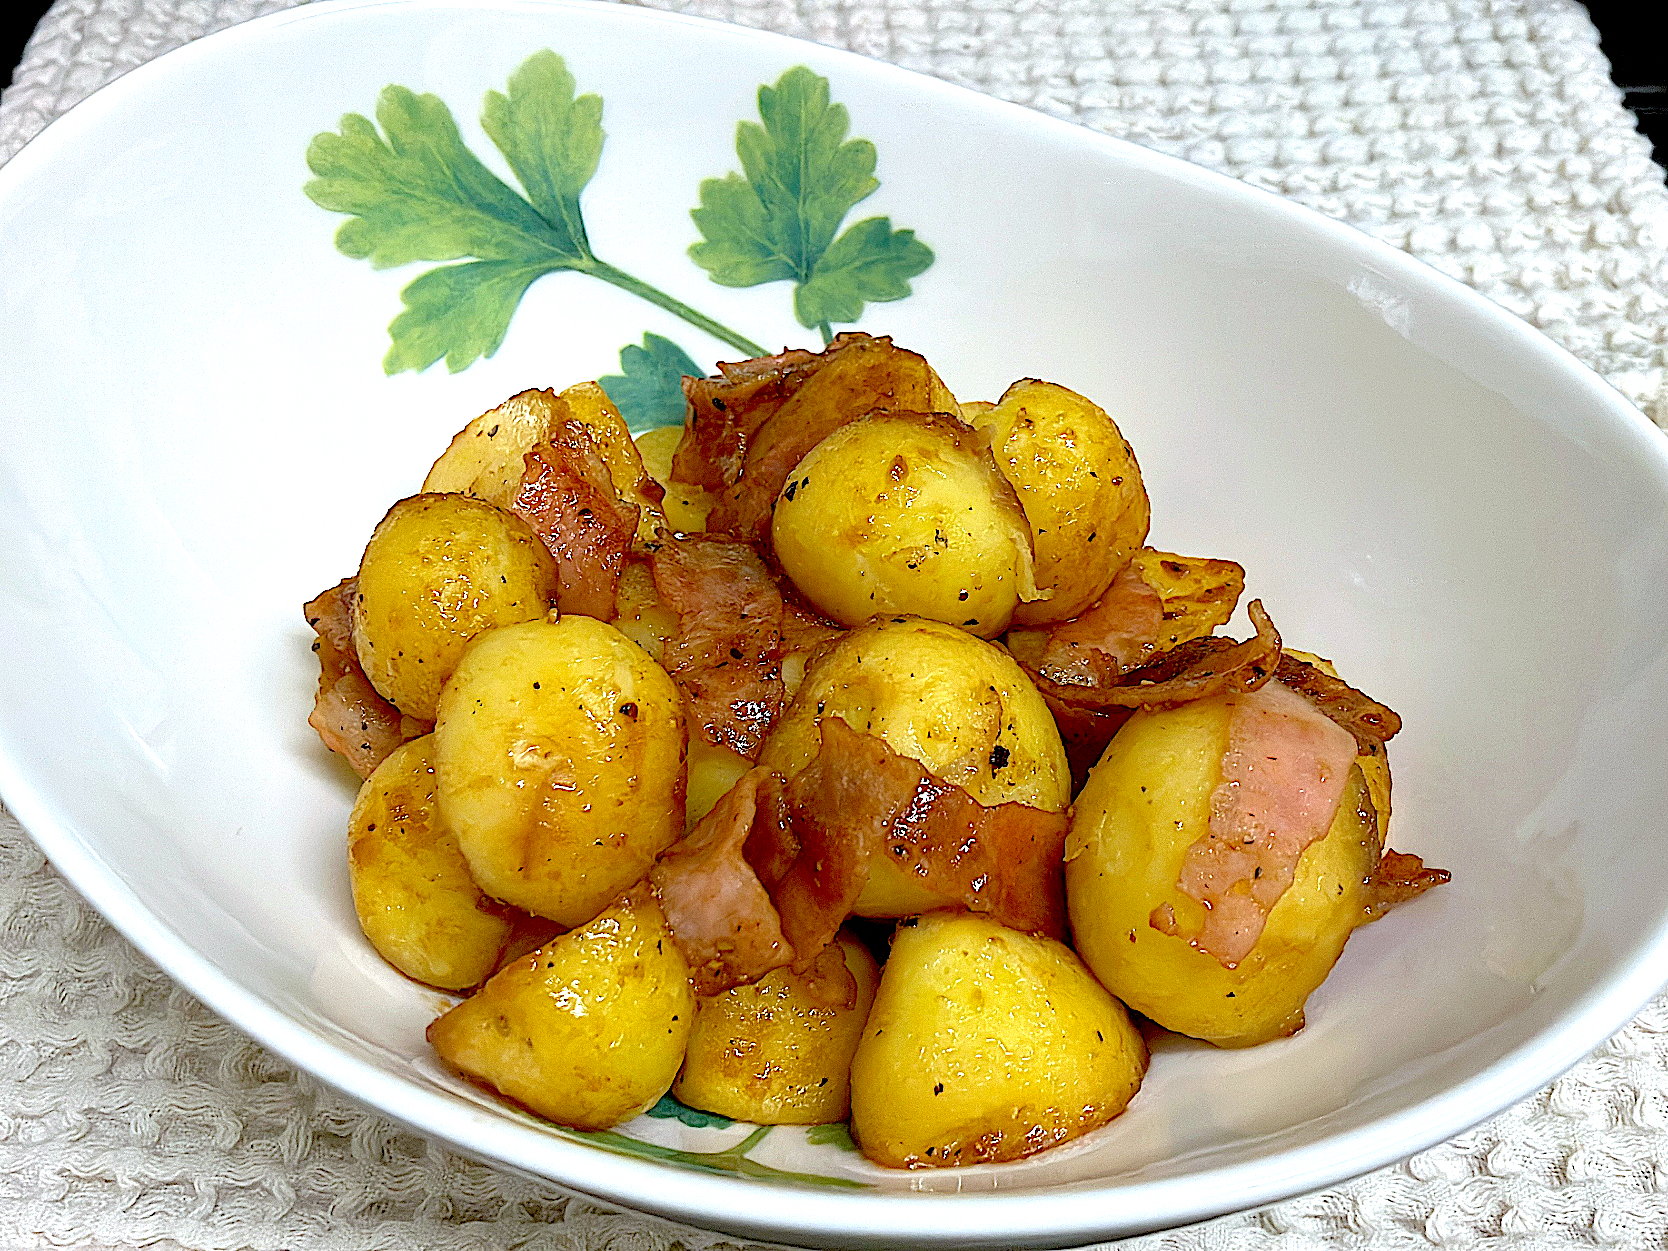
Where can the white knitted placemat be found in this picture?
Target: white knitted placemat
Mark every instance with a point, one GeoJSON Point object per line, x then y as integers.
{"type": "Point", "coordinates": [1484, 136]}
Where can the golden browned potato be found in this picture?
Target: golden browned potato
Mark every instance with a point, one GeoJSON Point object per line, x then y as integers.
{"type": "Point", "coordinates": [411, 886]}
{"type": "Point", "coordinates": [1080, 486]}
{"type": "Point", "coordinates": [771, 1054]}
{"type": "Point", "coordinates": [560, 753]}
{"type": "Point", "coordinates": [1146, 803]}
{"type": "Point", "coordinates": [639, 612]}
{"type": "Point", "coordinates": [905, 513]}
{"type": "Point", "coordinates": [984, 1045]}
{"type": "Point", "coordinates": [936, 694]}
{"type": "Point", "coordinates": [686, 506]}
{"type": "Point", "coordinates": [713, 770]}
{"type": "Point", "coordinates": [486, 458]}
{"type": "Point", "coordinates": [589, 1030]}
{"type": "Point", "coordinates": [439, 569]}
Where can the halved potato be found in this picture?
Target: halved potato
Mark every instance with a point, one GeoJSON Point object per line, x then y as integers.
{"type": "Point", "coordinates": [589, 1030]}
{"type": "Point", "coordinates": [1146, 803]}
{"type": "Point", "coordinates": [411, 886]}
{"type": "Point", "coordinates": [770, 1053]}
{"type": "Point", "coordinates": [686, 506]}
{"type": "Point", "coordinates": [560, 753]}
{"type": "Point", "coordinates": [1080, 486]}
{"type": "Point", "coordinates": [439, 570]}
{"type": "Point", "coordinates": [984, 1045]}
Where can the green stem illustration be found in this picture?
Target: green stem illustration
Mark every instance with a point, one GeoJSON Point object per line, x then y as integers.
{"type": "Point", "coordinates": [827, 332]}
{"type": "Point", "coordinates": [731, 1160]}
{"type": "Point", "coordinates": [626, 282]}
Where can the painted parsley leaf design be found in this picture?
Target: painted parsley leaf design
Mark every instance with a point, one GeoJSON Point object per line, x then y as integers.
{"type": "Point", "coordinates": [672, 1109]}
{"type": "Point", "coordinates": [649, 390]}
{"type": "Point", "coordinates": [778, 219]}
{"type": "Point", "coordinates": [415, 192]}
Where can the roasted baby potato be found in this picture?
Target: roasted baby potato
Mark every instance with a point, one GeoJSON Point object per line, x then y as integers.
{"type": "Point", "coordinates": [686, 506]}
{"type": "Point", "coordinates": [936, 694]}
{"type": "Point", "coordinates": [486, 458]}
{"type": "Point", "coordinates": [560, 753]}
{"type": "Point", "coordinates": [411, 886]}
{"type": "Point", "coordinates": [713, 770]}
{"type": "Point", "coordinates": [439, 569]}
{"type": "Point", "coordinates": [905, 513]}
{"type": "Point", "coordinates": [589, 1030]}
{"type": "Point", "coordinates": [770, 1053]}
{"type": "Point", "coordinates": [984, 1045]}
{"type": "Point", "coordinates": [1146, 803]}
{"type": "Point", "coordinates": [1080, 486]}
{"type": "Point", "coordinates": [639, 613]}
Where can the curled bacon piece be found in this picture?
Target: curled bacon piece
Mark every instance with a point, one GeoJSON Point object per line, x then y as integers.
{"type": "Point", "coordinates": [720, 913]}
{"type": "Point", "coordinates": [1368, 720]}
{"type": "Point", "coordinates": [858, 798]}
{"type": "Point", "coordinates": [859, 375]}
{"type": "Point", "coordinates": [727, 409]}
{"type": "Point", "coordinates": [726, 654]}
{"type": "Point", "coordinates": [1195, 670]}
{"type": "Point", "coordinates": [1398, 878]}
{"type": "Point", "coordinates": [1118, 633]}
{"type": "Point", "coordinates": [568, 497]}
{"type": "Point", "coordinates": [353, 720]}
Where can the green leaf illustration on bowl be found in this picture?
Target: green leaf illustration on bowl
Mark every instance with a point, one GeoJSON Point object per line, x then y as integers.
{"type": "Point", "coordinates": [777, 220]}
{"type": "Point", "coordinates": [670, 1108]}
{"type": "Point", "coordinates": [414, 191]}
{"type": "Point", "coordinates": [649, 389]}
{"type": "Point", "coordinates": [732, 1160]}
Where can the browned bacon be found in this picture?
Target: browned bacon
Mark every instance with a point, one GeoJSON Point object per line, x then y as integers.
{"type": "Point", "coordinates": [858, 798]}
{"type": "Point", "coordinates": [1368, 720]}
{"type": "Point", "coordinates": [726, 654]}
{"type": "Point", "coordinates": [568, 497]}
{"type": "Point", "coordinates": [720, 913]}
{"type": "Point", "coordinates": [1194, 670]}
{"type": "Point", "coordinates": [1120, 632]}
{"type": "Point", "coordinates": [1283, 777]}
{"type": "Point", "coordinates": [353, 720]}
{"type": "Point", "coordinates": [726, 410]}
{"type": "Point", "coordinates": [1398, 878]}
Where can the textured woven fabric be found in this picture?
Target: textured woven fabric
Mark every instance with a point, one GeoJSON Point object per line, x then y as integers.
{"type": "Point", "coordinates": [1483, 136]}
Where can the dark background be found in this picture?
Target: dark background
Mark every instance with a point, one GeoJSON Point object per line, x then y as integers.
{"type": "Point", "coordinates": [1638, 59]}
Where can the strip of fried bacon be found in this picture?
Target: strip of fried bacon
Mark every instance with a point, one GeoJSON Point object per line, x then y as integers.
{"type": "Point", "coordinates": [727, 409]}
{"type": "Point", "coordinates": [1399, 877]}
{"type": "Point", "coordinates": [720, 913]}
{"type": "Point", "coordinates": [1197, 669]}
{"type": "Point", "coordinates": [568, 497]}
{"type": "Point", "coordinates": [780, 443]}
{"type": "Point", "coordinates": [353, 720]}
{"type": "Point", "coordinates": [1121, 631]}
{"type": "Point", "coordinates": [1369, 721]}
{"type": "Point", "coordinates": [726, 655]}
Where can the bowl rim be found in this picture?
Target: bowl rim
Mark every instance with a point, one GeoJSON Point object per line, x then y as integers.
{"type": "Point", "coordinates": [1069, 1214]}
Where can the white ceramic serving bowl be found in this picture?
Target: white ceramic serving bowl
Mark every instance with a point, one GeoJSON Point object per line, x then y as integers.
{"type": "Point", "coordinates": [196, 435]}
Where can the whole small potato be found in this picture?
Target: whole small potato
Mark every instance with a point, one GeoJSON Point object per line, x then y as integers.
{"type": "Point", "coordinates": [936, 694]}
{"type": "Point", "coordinates": [771, 1054]}
{"type": "Point", "coordinates": [411, 886]}
{"type": "Point", "coordinates": [984, 1045]}
{"type": "Point", "coordinates": [905, 513]}
{"type": "Point", "coordinates": [589, 1030]}
{"type": "Point", "coordinates": [1146, 803]}
{"type": "Point", "coordinates": [1080, 486]}
{"type": "Point", "coordinates": [560, 755]}
{"type": "Point", "coordinates": [439, 569]}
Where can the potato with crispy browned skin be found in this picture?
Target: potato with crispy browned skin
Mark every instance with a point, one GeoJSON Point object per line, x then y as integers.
{"type": "Point", "coordinates": [985, 1045]}
{"type": "Point", "coordinates": [589, 1030]}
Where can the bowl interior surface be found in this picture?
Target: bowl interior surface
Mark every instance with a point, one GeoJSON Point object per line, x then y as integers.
{"type": "Point", "coordinates": [197, 435]}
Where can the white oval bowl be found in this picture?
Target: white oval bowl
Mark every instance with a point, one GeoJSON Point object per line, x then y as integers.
{"type": "Point", "coordinates": [198, 436]}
